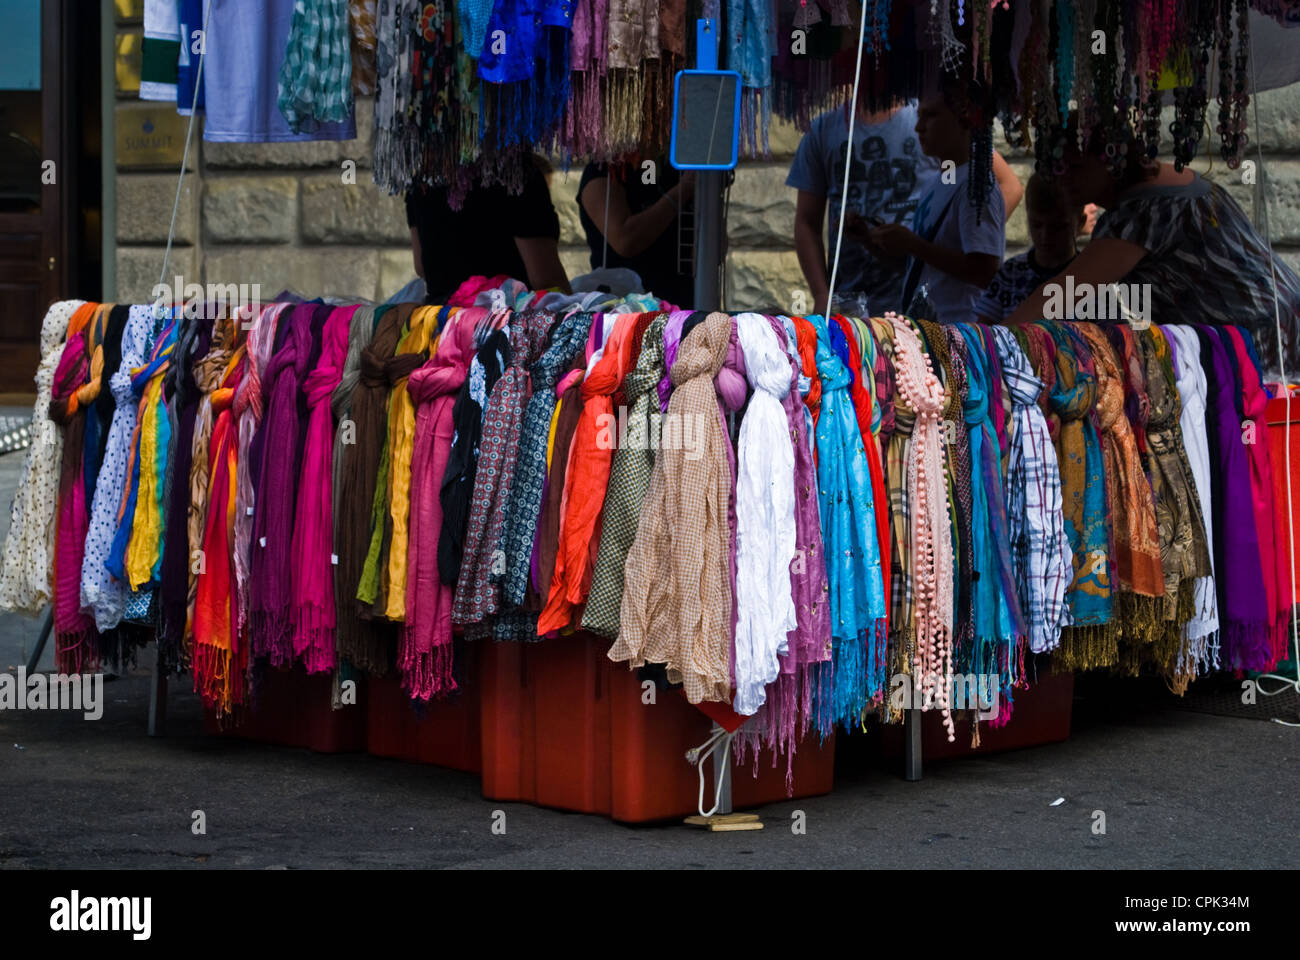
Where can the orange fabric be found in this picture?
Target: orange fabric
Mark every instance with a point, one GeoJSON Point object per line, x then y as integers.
{"type": "Point", "coordinates": [807, 343]}
{"type": "Point", "coordinates": [590, 458]}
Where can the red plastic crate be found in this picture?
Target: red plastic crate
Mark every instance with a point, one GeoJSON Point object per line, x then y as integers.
{"type": "Point", "coordinates": [1041, 715]}
{"type": "Point", "coordinates": [565, 727]}
{"type": "Point", "coordinates": [1277, 436]}
{"type": "Point", "coordinates": [442, 732]}
{"type": "Point", "coordinates": [294, 709]}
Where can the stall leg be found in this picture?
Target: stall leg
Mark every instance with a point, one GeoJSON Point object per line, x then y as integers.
{"type": "Point", "coordinates": [158, 697]}
{"type": "Point", "coordinates": [912, 745]}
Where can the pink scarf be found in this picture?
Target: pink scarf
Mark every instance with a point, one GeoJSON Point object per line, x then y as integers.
{"type": "Point", "coordinates": [312, 610]}
{"type": "Point", "coordinates": [1273, 560]}
{"type": "Point", "coordinates": [425, 654]}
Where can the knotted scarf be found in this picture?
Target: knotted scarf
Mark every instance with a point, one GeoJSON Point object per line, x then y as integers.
{"type": "Point", "coordinates": [358, 641]}
{"type": "Point", "coordinates": [1132, 510]}
{"type": "Point", "coordinates": [484, 564]}
{"type": "Point", "coordinates": [1040, 550]}
{"type": "Point", "coordinates": [271, 591]}
{"type": "Point", "coordinates": [76, 384]}
{"type": "Point", "coordinates": [313, 614]}
{"type": "Point", "coordinates": [672, 342]}
{"type": "Point", "coordinates": [676, 608]}
{"type": "Point", "coordinates": [588, 476]}
{"type": "Point", "coordinates": [26, 574]}
{"type": "Point", "coordinates": [852, 551]}
{"type": "Point", "coordinates": [931, 543]}
{"type": "Point", "coordinates": [425, 655]}
{"type": "Point", "coordinates": [220, 660]}
{"type": "Point", "coordinates": [806, 336]}
{"type": "Point", "coordinates": [1089, 642]}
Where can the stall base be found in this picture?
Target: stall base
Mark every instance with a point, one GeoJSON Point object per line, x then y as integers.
{"type": "Point", "coordinates": [295, 710]}
{"type": "Point", "coordinates": [443, 732]}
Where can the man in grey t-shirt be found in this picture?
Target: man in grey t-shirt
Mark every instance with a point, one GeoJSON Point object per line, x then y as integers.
{"type": "Point", "coordinates": [888, 176]}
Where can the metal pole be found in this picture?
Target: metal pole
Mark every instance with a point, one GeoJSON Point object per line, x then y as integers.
{"type": "Point", "coordinates": [708, 240]}
{"type": "Point", "coordinates": [912, 744]}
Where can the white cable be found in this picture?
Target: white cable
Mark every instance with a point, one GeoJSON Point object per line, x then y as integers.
{"type": "Point", "coordinates": [189, 132]}
{"type": "Point", "coordinates": [1288, 682]}
{"type": "Point", "coordinates": [848, 161]}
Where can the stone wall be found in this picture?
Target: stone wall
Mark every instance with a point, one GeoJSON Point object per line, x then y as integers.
{"type": "Point", "coordinates": [285, 216]}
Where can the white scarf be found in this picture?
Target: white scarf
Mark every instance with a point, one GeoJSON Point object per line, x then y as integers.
{"type": "Point", "coordinates": [28, 567]}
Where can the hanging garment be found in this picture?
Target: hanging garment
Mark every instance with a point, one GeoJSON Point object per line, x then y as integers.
{"type": "Point", "coordinates": [26, 573]}
{"type": "Point", "coordinates": [1083, 495]}
{"type": "Point", "coordinates": [160, 50]}
{"type": "Point", "coordinates": [362, 17]}
{"type": "Point", "coordinates": [1040, 550]}
{"type": "Point", "coordinates": [360, 642]}
{"type": "Point", "coordinates": [765, 506]}
{"type": "Point", "coordinates": [484, 564]}
{"type": "Point", "coordinates": [930, 549]}
{"type": "Point", "coordinates": [1201, 630]}
{"type": "Point", "coordinates": [676, 609]}
{"type": "Point", "coordinates": [76, 385]}
{"type": "Point", "coordinates": [247, 408]}
{"type": "Point", "coordinates": [523, 510]}
{"type": "Point", "coordinates": [220, 661]}
{"type": "Point", "coordinates": [857, 599]}
{"type": "Point", "coordinates": [586, 479]}
{"type": "Point", "coordinates": [102, 596]}
{"type": "Point", "coordinates": [568, 413]}
{"type": "Point", "coordinates": [271, 593]}
{"type": "Point", "coordinates": [425, 654]}
{"type": "Point", "coordinates": [1131, 511]}
{"type": "Point", "coordinates": [315, 80]}
{"type": "Point", "coordinates": [1274, 563]}
{"type": "Point", "coordinates": [312, 614]}
{"type": "Point", "coordinates": [672, 343]}
{"type": "Point", "coordinates": [192, 345]}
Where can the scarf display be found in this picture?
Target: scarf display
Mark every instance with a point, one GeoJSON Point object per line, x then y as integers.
{"type": "Point", "coordinates": [315, 82]}
{"type": "Point", "coordinates": [27, 568]}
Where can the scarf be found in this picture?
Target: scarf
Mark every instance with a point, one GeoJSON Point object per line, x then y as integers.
{"type": "Point", "coordinates": [806, 335]}
{"type": "Point", "coordinates": [315, 82]}
{"type": "Point", "coordinates": [312, 614]}
{"type": "Point", "coordinates": [101, 595]}
{"type": "Point", "coordinates": [766, 537]}
{"type": "Point", "coordinates": [26, 572]}
{"type": "Point", "coordinates": [76, 384]}
{"type": "Point", "coordinates": [523, 509]}
{"type": "Point", "coordinates": [902, 615]}
{"type": "Point", "coordinates": [246, 408]}
{"type": "Point", "coordinates": [358, 641]}
{"type": "Point", "coordinates": [142, 537]}
{"type": "Point", "coordinates": [478, 592]}
{"type": "Point", "coordinates": [1090, 642]}
{"type": "Point", "coordinates": [220, 661]}
{"type": "Point", "coordinates": [1274, 563]}
{"type": "Point", "coordinates": [361, 17]}
{"type": "Point", "coordinates": [564, 424]}
{"type": "Point", "coordinates": [672, 342]}
{"type": "Point", "coordinates": [676, 609]}
{"type": "Point", "coordinates": [1201, 631]}
{"type": "Point", "coordinates": [857, 597]}
{"type": "Point", "coordinates": [587, 477]}
{"type": "Point", "coordinates": [1244, 614]}
{"type": "Point", "coordinates": [1040, 550]}
{"type": "Point", "coordinates": [1136, 536]}
{"type": "Point", "coordinates": [425, 653]}
{"type": "Point", "coordinates": [273, 559]}
{"type": "Point", "coordinates": [931, 545]}
{"type": "Point", "coordinates": [391, 528]}
{"type": "Point", "coordinates": [193, 343]}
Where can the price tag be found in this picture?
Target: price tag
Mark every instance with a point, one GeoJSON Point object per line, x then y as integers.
{"type": "Point", "coordinates": [262, 542]}
{"type": "Point", "coordinates": [334, 559]}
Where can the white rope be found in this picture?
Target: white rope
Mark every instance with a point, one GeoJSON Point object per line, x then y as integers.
{"type": "Point", "coordinates": [848, 160]}
{"type": "Point", "coordinates": [189, 132]}
{"type": "Point", "coordinates": [1287, 682]}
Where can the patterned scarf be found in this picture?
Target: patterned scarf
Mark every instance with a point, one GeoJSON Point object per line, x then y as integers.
{"type": "Point", "coordinates": [484, 565]}
{"type": "Point", "coordinates": [629, 479]}
{"type": "Point", "coordinates": [425, 654]}
{"type": "Point", "coordinates": [220, 661]}
{"type": "Point", "coordinates": [931, 543]}
{"type": "Point", "coordinates": [26, 575]}
{"type": "Point", "coordinates": [1090, 642]}
{"type": "Point", "coordinates": [1128, 493]}
{"type": "Point", "coordinates": [315, 84]}
{"type": "Point", "coordinates": [271, 592]}
{"type": "Point", "coordinates": [852, 547]}
{"type": "Point", "coordinates": [676, 608]}
{"type": "Point", "coordinates": [1040, 550]}
{"type": "Point", "coordinates": [312, 613]}
{"type": "Point", "coordinates": [361, 20]}
{"type": "Point", "coordinates": [587, 478]}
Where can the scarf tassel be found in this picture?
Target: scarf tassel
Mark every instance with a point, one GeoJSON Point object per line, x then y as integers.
{"type": "Point", "coordinates": [427, 674]}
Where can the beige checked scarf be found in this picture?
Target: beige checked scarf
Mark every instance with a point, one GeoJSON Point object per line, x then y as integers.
{"type": "Point", "coordinates": [676, 607]}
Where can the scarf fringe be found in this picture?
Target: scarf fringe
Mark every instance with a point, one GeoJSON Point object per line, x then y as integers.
{"type": "Point", "coordinates": [212, 679]}
{"type": "Point", "coordinates": [76, 652]}
{"type": "Point", "coordinates": [1088, 647]}
{"type": "Point", "coordinates": [313, 636]}
{"type": "Point", "coordinates": [427, 674]}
